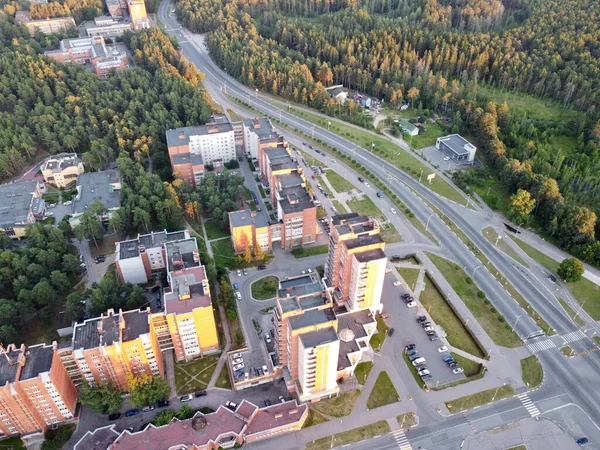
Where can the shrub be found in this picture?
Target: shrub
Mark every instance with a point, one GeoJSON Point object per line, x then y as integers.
{"type": "Point", "coordinates": [500, 319]}
{"type": "Point", "coordinates": [469, 280]}
{"type": "Point", "coordinates": [480, 294]}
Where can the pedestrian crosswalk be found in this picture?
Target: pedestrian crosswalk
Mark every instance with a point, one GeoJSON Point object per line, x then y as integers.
{"type": "Point", "coordinates": [401, 440]}
{"type": "Point", "coordinates": [541, 346]}
{"type": "Point", "coordinates": [574, 336]}
{"type": "Point", "coordinates": [529, 405]}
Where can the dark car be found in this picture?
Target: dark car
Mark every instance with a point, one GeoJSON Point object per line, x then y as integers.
{"type": "Point", "coordinates": [132, 412]}
{"type": "Point", "coordinates": [553, 279]}
{"type": "Point", "coordinates": [391, 332]}
{"type": "Point", "coordinates": [164, 404]}
{"type": "Point", "coordinates": [361, 179]}
{"type": "Point", "coordinates": [395, 258]}
{"type": "Point", "coordinates": [434, 338]}
{"type": "Point", "coordinates": [414, 351]}
{"type": "Point", "coordinates": [408, 300]}
{"type": "Point", "coordinates": [240, 158]}
{"type": "Point", "coordinates": [421, 319]}
{"type": "Point", "coordinates": [262, 267]}
{"type": "Point", "coordinates": [430, 333]}
{"type": "Point", "coordinates": [411, 347]}
{"type": "Point", "coordinates": [310, 146]}
{"type": "Point", "coordinates": [268, 403]}
{"type": "Point", "coordinates": [582, 441]}
{"type": "Point", "coordinates": [200, 393]}
{"type": "Point", "coordinates": [115, 416]}
{"type": "Point", "coordinates": [407, 295]}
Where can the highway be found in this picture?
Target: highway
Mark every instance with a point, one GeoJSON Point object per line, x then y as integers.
{"type": "Point", "coordinates": [568, 380]}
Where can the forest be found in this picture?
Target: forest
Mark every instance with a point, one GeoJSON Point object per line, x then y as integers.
{"type": "Point", "coordinates": [443, 56]}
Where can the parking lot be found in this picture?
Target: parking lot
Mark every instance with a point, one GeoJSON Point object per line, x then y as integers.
{"type": "Point", "coordinates": [440, 159]}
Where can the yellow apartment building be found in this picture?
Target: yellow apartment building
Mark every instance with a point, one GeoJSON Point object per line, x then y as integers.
{"type": "Point", "coordinates": [62, 170]}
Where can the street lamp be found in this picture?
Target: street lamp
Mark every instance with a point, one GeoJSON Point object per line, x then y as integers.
{"type": "Point", "coordinates": [372, 147]}
{"type": "Point", "coordinates": [427, 226]}
{"type": "Point", "coordinates": [497, 239]}
{"type": "Point", "coordinates": [515, 325]}
{"type": "Point", "coordinates": [256, 92]}
{"type": "Point", "coordinates": [473, 274]}
{"type": "Point", "coordinates": [328, 124]}
{"type": "Point", "coordinates": [313, 131]}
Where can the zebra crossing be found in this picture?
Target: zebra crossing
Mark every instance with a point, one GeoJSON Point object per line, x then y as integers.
{"type": "Point", "coordinates": [541, 346]}
{"type": "Point", "coordinates": [574, 336]}
{"type": "Point", "coordinates": [529, 405]}
{"type": "Point", "coordinates": [401, 440]}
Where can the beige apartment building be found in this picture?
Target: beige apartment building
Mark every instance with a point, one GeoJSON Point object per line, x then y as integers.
{"type": "Point", "coordinates": [63, 169]}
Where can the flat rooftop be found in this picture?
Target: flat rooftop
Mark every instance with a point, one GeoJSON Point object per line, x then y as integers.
{"type": "Point", "coordinates": [370, 255]}
{"type": "Point", "coordinates": [290, 179]}
{"type": "Point", "coordinates": [99, 439]}
{"type": "Point", "coordinates": [181, 136]}
{"type": "Point", "coordinates": [104, 186]}
{"type": "Point", "coordinates": [17, 200]}
{"type": "Point", "coordinates": [187, 158]}
{"type": "Point", "coordinates": [38, 359]}
{"type": "Point", "coordinates": [289, 304]}
{"type": "Point", "coordinates": [247, 217]}
{"type": "Point", "coordinates": [131, 248]}
{"type": "Point", "coordinates": [61, 161]}
{"type": "Point", "coordinates": [184, 283]}
{"type": "Point", "coordinates": [295, 199]}
{"type": "Point", "coordinates": [275, 416]}
{"type": "Point", "coordinates": [353, 223]}
{"type": "Point", "coordinates": [136, 324]}
{"type": "Point", "coordinates": [361, 241]}
{"type": "Point", "coordinates": [261, 126]}
{"type": "Point", "coordinates": [351, 327]}
{"type": "Point", "coordinates": [319, 337]}
{"type": "Point", "coordinates": [9, 365]}
{"type": "Point", "coordinates": [182, 254]}
{"type": "Point", "coordinates": [311, 317]}
{"type": "Point", "coordinates": [106, 330]}
{"type": "Point", "coordinates": [457, 144]}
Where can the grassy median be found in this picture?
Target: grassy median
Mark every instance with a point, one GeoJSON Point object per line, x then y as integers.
{"type": "Point", "coordinates": [383, 393]}
{"type": "Point", "coordinates": [532, 371]}
{"type": "Point", "coordinates": [480, 398]}
{"type": "Point", "coordinates": [350, 436]}
{"type": "Point", "coordinates": [265, 288]}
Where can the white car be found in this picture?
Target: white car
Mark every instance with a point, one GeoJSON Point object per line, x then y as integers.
{"type": "Point", "coordinates": [238, 295]}
{"type": "Point", "coordinates": [236, 355]}
{"type": "Point", "coordinates": [68, 202]}
{"type": "Point", "coordinates": [367, 184]}
{"type": "Point", "coordinates": [231, 405]}
{"type": "Point", "coordinates": [238, 360]}
{"type": "Point", "coordinates": [388, 270]}
{"type": "Point", "coordinates": [238, 367]}
{"type": "Point", "coordinates": [268, 338]}
{"type": "Point", "coordinates": [393, 210]}
{"type": "Point", "coordinates": [428, 329]}
{"type": "Point", "coordinates": [333, 161]}
{"type": "Point", "coordinates": [443, 349]}
{"type": "Point", "coordinates": [397, 283]}
{"type": "Point", "coordinates": [457, 370]}
{"type": "Point", "coordinates": [265, 369]}
{"type": "Point", "coordinates": [48, 214]}
{"type": "Point", "coordinates": [411, 304]}
{"type": "Point", "coordinates": [447, 158]}
{"type": "Point", "coordinates": [239, 273]}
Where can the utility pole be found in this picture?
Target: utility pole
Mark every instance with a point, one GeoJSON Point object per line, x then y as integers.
{"type": "Point", "coordinates": [515, 325]}
{"type": "Point", "coordinates": [497, 239]}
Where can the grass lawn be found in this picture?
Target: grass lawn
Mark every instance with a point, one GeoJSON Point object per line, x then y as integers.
{"type": "Point", "coordinates": [532, 371]}
{"type": "Point", "coordinates": [413, 370]}
{"type": "Point", "coordinates": [499, 332]}
{"type": "Point", "coordinates": [107, 246]}
{"type": "Point", "coordinates": [492, 190]}
{"type": "Point", "coordinates": [441, 312]}
{"type": "Point", "coordinates": [14, 443]}
{"type": "Point", "coordinates": [410, 275]}
{"type": "Point", "coordinates": [195, 375]}
{"type": "Point", "coordinates": [566, 350]}
{"type": "Point", "coordinates": [407, 420]}
{"type": "Point", "coordinates": [348, 437]}
{"type": "Point", "coordinates": [338, 182]}
{"type": "Point", "coordinates": [572, 314]}
{"type": "Point", "coordinates": [518, 447]}
{"type": "Point", "coordinates": [339, 406]}
{"type": "Point", "coordinates": [383, 393]}
{"type": "Point", "coordinates": [214, 232]}
{"type": "Point", "coordinates": [303, 252]}
{"type": "Point", "coordinates": [265, 288]}
{"type": "Point", "coordinates": [471, 367]}
{"type": "Point", "coordinates": [597, 340]}
{"type": "Point", "coordinates": [314, 418]}
{"type": "Point", "coordinates": [321, 212]}
{"type": "Point", "coordinates": [223, 381]}
{"type": "Point", "coordinates": [480, 398]}
{"type": "Point", "coordinates": [377, 339]}
{"type": "Point", "coordinates": [388, 151]}
{"type": "Point", "coordinates": [389, 234]}
{"type": "Point", "coordinates": [583, 290]}
{"type": "Point", "coordinates": [235, 117]}
{"type": "Point", "coordinates": [339, 207]}
{"type": "Point", "coordinates": [365, 207]}
{"type": "Point", "coordinates": [491, 235]}
{"type": "Point", "coordinates": [223, 253]}
{"type": "Point", "coordinates": [362, 371]}
{"type": "Point", "coordinates": [427, 139]}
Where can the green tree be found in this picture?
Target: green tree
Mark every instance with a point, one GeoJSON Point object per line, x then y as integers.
{"type": "Point", "coordinates": [60, 281]}
{"type": "Point", "coordinates": [147, 390]}
{"type": "Point", "coordinates": [570, 269]}
{"type": "Point", "coordinates": [521, 206]}
{"type": "Point", "coordinates": [75, 308]}
{"type": "Point", "coordinates": [164, 417]}
{"type": "Point", "coordinates": [103, 399]}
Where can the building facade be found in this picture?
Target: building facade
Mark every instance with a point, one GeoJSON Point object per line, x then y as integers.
{"type": "Point", "coordinates": [255, 132]}
{"type": "Point", "coordinates": [106, 26]}
{"type": "Point", "coordinates": [46, 26]}
{"type": "Point", "coordinates": [22, 204]}
{"type": "Point", "coordinates": [249, 229]}
{"type": "Point", "coordinates": [137, 14]}
{"type": "Point", "coordinates": [61, 170]}
{"type": "Point", "coordinates": [457, 148]}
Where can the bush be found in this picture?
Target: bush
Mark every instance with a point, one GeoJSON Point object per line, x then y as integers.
{"type": "Point", "coordinates": [500, 319]}
{"type": "Point", "coordinates": [469, 280]}
{"type": "Point", "coordinates": [480, 294]}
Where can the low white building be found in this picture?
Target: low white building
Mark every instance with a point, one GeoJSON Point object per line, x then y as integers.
{"type": "Point", "coordinates": [457, 148]}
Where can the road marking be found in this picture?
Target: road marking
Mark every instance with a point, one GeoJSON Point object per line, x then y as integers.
{"type": "Point", "coordinates": [529, 406]}
{"type": "Point", "coordinates": [401, 440]}
{"type": "Point", "coordinates": [541, 346]}
{"type": "Point", "coordinates": [574, 336]}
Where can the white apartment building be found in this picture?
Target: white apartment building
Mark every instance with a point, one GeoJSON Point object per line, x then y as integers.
{"type": "Point", "coordinates": [214, 141]}
{"type": "Point", "coordinates": [255, 131]}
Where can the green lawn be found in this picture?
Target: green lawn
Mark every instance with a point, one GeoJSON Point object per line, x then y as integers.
{"type": "Point", "coordinates": [443, 315]}
{"type": "Point", "coordinates": [314, 418]}
{"type": "Point", "coordinates": [324, 186]}
{"type": "Point", "coordinates": [566, 350]}
{"type": "Point", "coordinates": [265, 288]}
{"type": "Point", "coordinates": [377, 339]}
{"type": "Point", "coordinates": [223, 381]}
{"type": "Point", "coordinates": [339, 406]}
{"type": "Point", "coordinates": [235, 117]}
{"type": "Point", "coordinates": [303, 252]}
{"type": "Point", "coordinates": [499, 331]}
{"type": "Point", "coordinates": [389, 151]}
{"type": "Point", "coordinates": [14, 443]}
{"type": "Point", "coordinates": [491, 190]}
{"type": "Point", "coordinates": [427, 139]}
{"type": "Point", "coordinates": [586, 292]}
{"type": "Point", "coordinates": [410, 275]}
{"type": "Point", "coordinates": [480, 398]}
{"type": "Point", "coordinates": [491, 235]}
{"type": "Point", "coordinates": [223, 253]}
{"type": "Point", "coordinates": [471, 367]}
{"type": "Point", "coordinates": [597, 340]}
{"type": "Point", "coordinates": [532, 371]}
{"type": "Point", "coordinates": [383, 393]}
{"type": "Point", "coordinates": [214, 232]}
{"type": "Point", "coordinates": [362, 371]}
{"type": "Point", "coordinates": [389, 234]}
{"type": "Point", "coordinates": [195, 375]}
{"type": "Point", "coordinates": [339, 183]}
{"type": "Point", "coordinates": [339, 207]}
{"type": "Point", "coordinates": [413, 370]}
{"type": "Point", "coordinates": [407, 420]}
{"type": "Point", "coordinates": [365, 207]}
{"type": "Point", "coordinates": [351, 436]}
{"type": "Point", "coordinates": [518, 447]}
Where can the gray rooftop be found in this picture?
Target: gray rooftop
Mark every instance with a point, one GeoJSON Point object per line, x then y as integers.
{"type": "Point", "coordinates": [355, 323]}
{"type": "Point", "coordinates": [99, 439]}
{"type": "Point", "coordinates": [370, 255]}
{"type": "Point", "coordinates": [111, 329]}
{"type": "Point", "coordinates": [185, 158]}
{"type": "Point", "coordinates": [94, 186]}
{"type": "Point", "coordinates": [290, 179]}
{"type": "Point", "coordinates": [305, 303]}
{"type": "Point", "coordinates": [367, 239]}
{"type": "Point", "coordinates": [131, 248]}
{"type": "Point", "coordinates": [311, 317]}
{"type": "Point", "coordinates": [9, 365]}
{"type": "Point", "coordinates": [262, 127]}
{"type": "Point", "coordinates": [136, 324]}
{"type": "Point", "coordinates": [181, 136]}
{"type": "Point", "coordinates": [17, 200]}
{"type": "Point", "coordinates": [457, 143]}
{"type": "Point", "coordinates": [85, 335]}
{"type": "Point", "coordinates": [295, 199]}
{"type": "Point", "coordinates": [61, 161]}
{"type": "Point", "coordinates": [296, 281]}
{"type": "Point", "coordinates": [182, 254]}
{"type": "Point", "coordinates": [246, 217]}
{"type": "Point", "coordinates": [38, 359]}
{"type": "Point", "coordinates": [319, 337]}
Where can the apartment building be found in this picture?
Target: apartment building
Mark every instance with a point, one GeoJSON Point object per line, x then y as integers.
{"type": "Point", "coordinates": [137, 14]}
{"type": "Point", "coordinates": [191, 148]}
{"type": "Point", "coordinates": [22, 204]}
{"type": "Point", "coordinates": [106, 26]}
{"type": "Point", "coordinates": [356, 263]}
{"type": "Point", "coordinates": [256, 132]}
{"type": "Point", "coordinates": [35, 391]}
{"type": "Point", "coordinates": [220, 429]}
{"type": "Point", "coordinates": [104, 186]}
{"type": "Point", "coordinates": [317, 344]}
{"type": "Point", "coordinates": [114, 9]}
{"type": "Point", "coordinates": [108, 348]}
{"type": "Point", "coordinates": [249, 229]}
{"type": "Point", "coordinates": [63, 169]}
{"type": "Point", "coordinates": [46, 26]}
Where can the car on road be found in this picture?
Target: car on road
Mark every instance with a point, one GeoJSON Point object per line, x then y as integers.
{"type": "Point", "coordinates": [148, 408]}
{"type": "Point", "coordinates": [443, 349]}
{"type": "Point", "coordinates": [457, 370]}
{"type": "Point", "coordinates": [408, 300]}
{"type": "Point", "coordinates": [238, 295]}
{"type": "Point", "coordinates": [232, 406]}
{"type": "Point", "coordinates": [552, 278]}
{"type": "Point", "coordinates": [99, 259]}
{"type": "Point", "coordinates": [48, 214]}
{"type": "Point", "coordinates": [448, 358]}
{"type": "Point", "coordinates": [259, 209]}
{"type": "Point", "coordinates": [304, 143]}
{"type": "Point", "coordinates": [411, 304]}
{"type": "Point", "coordinates": [132, 412]}
{"type": "Point", "coordinates": [582, 441]}
{"type": "Point", "coordinates": [52, 205]}
{"type": "Point", "coordinates": [391, 332]}
{"type": "Point", "coordinates": [447, 158]}
{"type": "Point", "coordinates": [361, 179]}
{"type": "Point", "coordinates": [239, 273]}
{"type": "Point", "coordinates": [239, 366]}
{"type": "Point", "coordinates": [240, 158]}
{"type": "Point", "coordinates": [310, 146]}
{"type": "Point", "coordinates": [262, 267]}
{"type": "Point", "coordinates": [68, 202]}
{"type": "Point", "coordinates": [115, 416]}
{"type": "Point", "coordinates": [201, 393]}
{"type": "Point", "coordinates": [367, 184]}
{"type": "Point", "coordinates": [186, 398]}
{"type": "Point", "coordinates": [164, 404]}
{"type": "Point", "coordinates": [268, 338]}
{"type": "Point", "coordinates": [393, 210]}
{"type": "Point", "coordinates": [397, 283]}
{"type": "Point", "coordinates": [395, 258]}
{"type": "Point", "coordinates": [245, 271]}
{"type": "Point", "coordinates": [236, 286]}
{"type": "Point", "coordinates": [379, 194]}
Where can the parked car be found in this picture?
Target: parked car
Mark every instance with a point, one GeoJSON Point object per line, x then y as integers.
{"type": "Point", "coordinates": [410, 347]}
{"type": "Point", "coordinates": [52, 205]}
{"type": "Point", "coordinates": [201, 393]}
{"type": "Point", "coordinates": [424, 372]}
{"type": "Point", "coordinates": [426, 378]}
{"type": "Point", "coordinates": [397, 283]}
{"type": "Point", "coordinates": [262, 267]}
{"type": "Point", "coordinates": [390, 332]}
{"type": "Point", "coordinates": [68, 202]}
{"type": "Point", "coordinates": [48, 214]}
{"type": "Point", "coordinates": [443, 349]}
{"type": "Point", "coordinates": [428, 329]}
{"type": "Point", "coordinates": [367, 184]}
{"type": "Point", "coordinates": [115, 416]}
{"type": "Point", "coordinates": [405, 296]}
{"type": "Point", "coordinates": [238, 295]}
{"type": "Point", "coordinates": [395, 258]}
{"type": "Point", "coordinates": [239, 273]}
{"type": "Point", "coordinates": [186, 398]}
{"type": "Point", "coordinates": [164, 404]}
{"type": "Point", "coordinates": [238, 366]}
{"type": "Point", "coordinates": [434, 337]}
{"type": "Point", "coordinates": [421, 318]}
{"type": "Point", "coordinates": [418, 361]}
{"type": "Point", "coordinates": [448, 358]}
{"type": "Point", "coordinates": [268, 338]}
{"type": "Point", "coordinates": [414, 357]}
{"type": "Point", "coordinates": [411, 304]}
{"type": "Point", "coordinates": [236, 286]}
{"type": "Point", "coordinates": [413, 351]}
{"type": "Point", "coordinates": [458, 370]}
{"type": "Point", "coordinates": [155, 289]}
{"type": "Point", "coordinates": [452, 364]}
{"type": "Point", "coordinates": [393, 210]}
{"type": "Point", "coordinates": [265, 369]}
{"type": "Point", "coordinates": [148, 408]}
{"type": "Point", "coordinates": [132, 412]}
{"type": "Point", "coordinates": [232, 406]}
{"type": "Point", "coordinates": [236, 355]}
{"type": "Point", "coordinates": [238, 360]}
{"type": "Point", "coordinates": [425, 324]}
